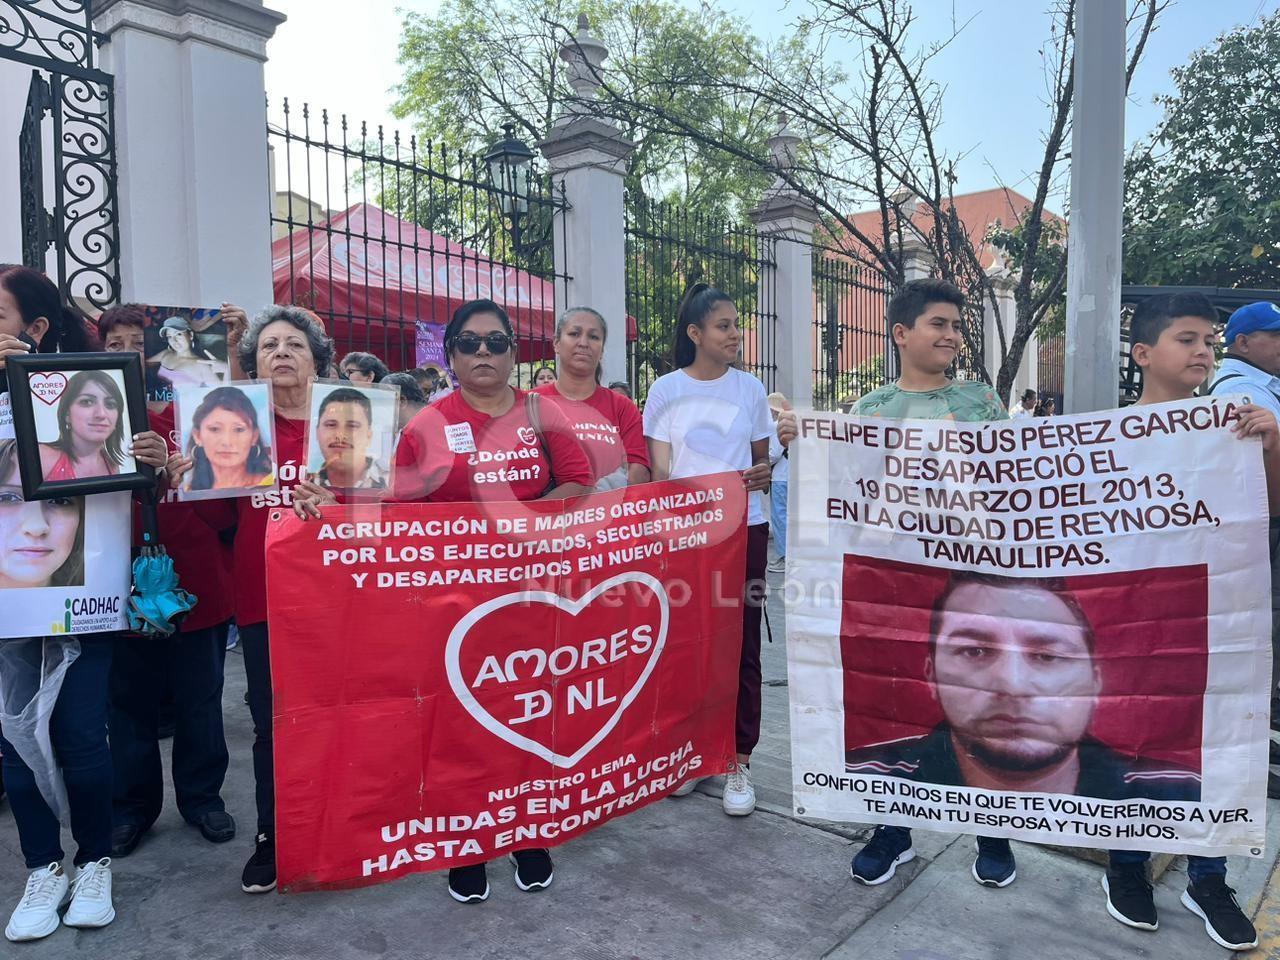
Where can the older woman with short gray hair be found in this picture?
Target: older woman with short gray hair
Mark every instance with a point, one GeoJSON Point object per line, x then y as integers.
{"type": "Point", "coordinates": [288, 346]}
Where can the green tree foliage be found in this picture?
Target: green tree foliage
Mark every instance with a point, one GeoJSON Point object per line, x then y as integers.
{"type": "Point", "coordinates": [1202, 203]}
{"type": "Point", "coordinates": [478, 64]}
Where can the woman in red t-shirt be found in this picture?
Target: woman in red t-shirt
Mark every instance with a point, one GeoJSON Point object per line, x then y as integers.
{"type": "Point", "coordinates": [288, 345]}
{"type": "Point", "coordinates": [606, 423]}
{"type": "Point", "coordinates": [191, 665]}
{"type": "Point", "coordinates": [485, 441]}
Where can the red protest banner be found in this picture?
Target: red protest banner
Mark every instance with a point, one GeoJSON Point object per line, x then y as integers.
{"type": "Point", "coordinates": [457, 681]}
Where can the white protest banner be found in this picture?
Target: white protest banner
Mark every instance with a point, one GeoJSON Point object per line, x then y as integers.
{"type": "Point", "coordinates": [1053, 629]}
{"type": "Point", "coordinates": [64, 562]}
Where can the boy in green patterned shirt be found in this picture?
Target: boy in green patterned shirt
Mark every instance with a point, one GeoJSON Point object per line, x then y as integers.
{"type": "Point", "coordinates": [924, 321]}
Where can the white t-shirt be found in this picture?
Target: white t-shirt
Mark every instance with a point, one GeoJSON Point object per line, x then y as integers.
{"type": "Point", "coordinates": [710, 424]}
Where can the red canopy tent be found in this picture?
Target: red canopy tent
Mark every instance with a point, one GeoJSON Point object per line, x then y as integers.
{"type": "Point", "coordinates": [389, 286]}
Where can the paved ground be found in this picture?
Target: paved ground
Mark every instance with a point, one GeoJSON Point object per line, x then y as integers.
{"type": "Point", "coordinates": [678, 879]}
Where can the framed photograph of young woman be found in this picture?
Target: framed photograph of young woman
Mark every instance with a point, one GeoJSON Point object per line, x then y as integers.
{"type": "Point", "coordinates": [74, 417]}
{"type": "Point", "coordinates": [228, 432]}
{"type": "Point", "coordinates": [350, 434]}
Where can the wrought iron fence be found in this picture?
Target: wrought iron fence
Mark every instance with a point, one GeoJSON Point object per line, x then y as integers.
{"type": "Point", "coordinates": [852, 352]}
{"type": "Point", "coordinates": [384, 237]}
{"type": "Point", "coordinates": [66, 150]}
{"type": "Point", "coordinates": [667, 250]}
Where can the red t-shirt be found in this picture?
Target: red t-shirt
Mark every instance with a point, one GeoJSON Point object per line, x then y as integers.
{"type": "Point", "coordinates": [249, 516]}
{"type": "Point", "coordinates": [200, 557]}
{"type": "Point", "coordinates": [450, 452]}
{"type": "Point", "coordinates": [608, 426]}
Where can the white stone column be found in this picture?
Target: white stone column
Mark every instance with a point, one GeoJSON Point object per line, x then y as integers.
{"type": "Point", "coordinates": [789, 219]}
{"type": "Point", "coordinates": [587, 156]}
{"type": "Point", "coordinates": [1097, 203]}
{"type": "Point", "coordinates": [191, 139]}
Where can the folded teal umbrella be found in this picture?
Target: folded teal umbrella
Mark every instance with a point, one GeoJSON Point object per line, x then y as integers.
{"type": "Point", "coordinates": [157, 603]}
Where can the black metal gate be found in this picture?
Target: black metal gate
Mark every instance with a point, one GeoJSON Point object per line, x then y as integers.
{"type": "Point", "coordinates": [67, 144]}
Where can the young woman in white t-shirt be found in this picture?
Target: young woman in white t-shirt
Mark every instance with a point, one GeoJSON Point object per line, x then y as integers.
{"type": "Point", "coordinates": [708, 417]}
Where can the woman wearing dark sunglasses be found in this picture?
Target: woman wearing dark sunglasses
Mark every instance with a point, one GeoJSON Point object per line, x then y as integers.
{"type": "Point", "coordinates": [485, 441]}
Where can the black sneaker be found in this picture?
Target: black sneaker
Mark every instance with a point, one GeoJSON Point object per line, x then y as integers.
{"type": "Point", "coordinates": [1129, 897]}
{"type": "Point", "coordinates": [994, 866]}
{"type": "Point", "coordinates": [1215, 903]}
{"type": "Point", "coordinates": [533, 869]}
{"type": "Point", "coordinates": [260, 872]}
{"type": "Point", "coordinates": [469, 884]}
{"type": "Point", "coordinates": [880, 858]}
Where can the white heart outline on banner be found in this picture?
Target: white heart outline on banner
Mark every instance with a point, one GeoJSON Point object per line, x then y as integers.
{"type": "Point", "coordinates": [573, 607]}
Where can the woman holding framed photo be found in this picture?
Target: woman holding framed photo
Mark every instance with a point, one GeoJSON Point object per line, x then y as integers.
{"type": "Point", "coordinates": [33, 319]}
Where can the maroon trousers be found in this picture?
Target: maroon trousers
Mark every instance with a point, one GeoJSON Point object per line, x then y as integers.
{"type": "Point", "coordinates": [747, 727]}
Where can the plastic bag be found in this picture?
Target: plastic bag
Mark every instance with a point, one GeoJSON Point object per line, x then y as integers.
{"type": "Point", "coordinates": [31, 675]}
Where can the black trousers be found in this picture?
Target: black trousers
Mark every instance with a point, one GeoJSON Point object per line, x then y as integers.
{"type": "Point", "coordinates": [144, 669]}
{"type": "Point", "coordinates": [257, 669]}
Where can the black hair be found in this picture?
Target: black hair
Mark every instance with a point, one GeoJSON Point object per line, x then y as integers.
{"type": "Point", "coordinates": [300, 318]}
{"type": "Point", "coordinates": [121, 315]}
{"type": "Point", "coordinates": [909, 304]}
{"type": "Point", "coordinates": [234, 400]}
{"type": "Point", "coordinates": [113, 448]}
{"type": "Point", "coordinates": [961, 578]}
{"type": "Point", "coordinates": [38, 297]}
{"type": "Point", "coordinates": [408, 384]}
{"type": "Point", "coordinates": [468, 310]}
{"type": "Point", "coordinates": [545, 366]}
{"type": "Point", "coordinates": [365, 363]}
{"type": "Point", "coordinates": [71, 573]}
{"type": "Point", "coordinates": [695, 306]}
{"type": "Point", "coordinates": [349, 395]}
{"type": "Point", "coordinates": [1152, 316]}
{"type": "Point", "coordinates": [1028, 394]}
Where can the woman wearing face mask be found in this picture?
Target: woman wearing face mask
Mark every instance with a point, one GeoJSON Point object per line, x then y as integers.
{"type": "Point", "coordinates": [606, 423]}
{"type": "Point", "coordinates": [439, 460]}
{"type": "Point", "coordinates": [706, 417]}
{"type": "Point", "coordinates": [90, 429]}
{"type": "Point", "coordinates": [32, 318]}
{"type": "Point", "coordinates": [286, 345]}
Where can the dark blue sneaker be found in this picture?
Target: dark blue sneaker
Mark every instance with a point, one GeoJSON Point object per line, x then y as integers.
{"type": "Point", "coordinates": [888, 848]}
{"type": "Point", "coordinates": [994, 866]}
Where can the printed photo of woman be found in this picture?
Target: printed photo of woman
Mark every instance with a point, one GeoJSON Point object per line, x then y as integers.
{"type": "Point", "coordinates": [181, 363]}
{"type": "Point", "coordinates": [41, 542]}
{"type": "Point", "coordinates": [92, 424]}
{"type": "Point", "coordinates": [225, 442]}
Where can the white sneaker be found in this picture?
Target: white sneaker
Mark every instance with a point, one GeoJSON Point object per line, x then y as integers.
{"type": "Point", "coordinates": [36, 915]}
{"type": "Point", "coordinates": [91, 896]}
{"type": "Point", "coordinates": [687, 787]}
{"type": "Point", "coordinates": [739, 795]}
{"type": "Point", "coordinates": [777, 565]}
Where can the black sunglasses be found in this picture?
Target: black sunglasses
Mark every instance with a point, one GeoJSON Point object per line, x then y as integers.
{"type": "Point", "coordinates": [470, 343]}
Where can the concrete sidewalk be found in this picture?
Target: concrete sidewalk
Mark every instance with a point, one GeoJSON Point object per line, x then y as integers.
{"type": "Point", "coordinates": [677, 879]}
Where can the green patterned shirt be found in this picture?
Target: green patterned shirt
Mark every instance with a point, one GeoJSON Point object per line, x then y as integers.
{"type": "Point", "coordinates": [969, 401]}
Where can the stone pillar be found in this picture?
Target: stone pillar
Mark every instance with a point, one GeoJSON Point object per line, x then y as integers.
{"type": "Point", "coordinates": [788, 219]}
{"type": "Point", "coordinates": [1097, 204]}
{"type": "Point", "coordinates": [191, 135]}
{"type": "Point", "coordinates": [587, 155]}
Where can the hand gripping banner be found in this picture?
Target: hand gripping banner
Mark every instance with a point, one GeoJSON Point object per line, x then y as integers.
{"type": "Point", "coordinates": [454, 682]}
{"type": "Point", "coordinates": [1053, 629]}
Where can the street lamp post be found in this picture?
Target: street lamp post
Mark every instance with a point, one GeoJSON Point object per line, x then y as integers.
{"type": "Point", "coordinates": [510, 165]}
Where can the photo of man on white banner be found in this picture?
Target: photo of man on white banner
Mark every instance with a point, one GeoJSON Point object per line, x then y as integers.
{"type": "Point", "coordinates": [1050, 630]}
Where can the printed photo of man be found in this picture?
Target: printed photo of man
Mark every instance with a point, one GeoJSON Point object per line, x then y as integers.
{"type": "Point", "coordinates": [344, 433]}
{"type": "Point", "coordinates": [1012, 666]}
